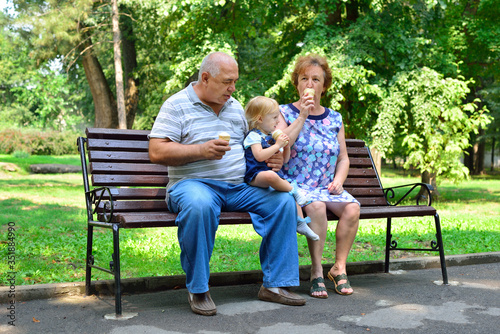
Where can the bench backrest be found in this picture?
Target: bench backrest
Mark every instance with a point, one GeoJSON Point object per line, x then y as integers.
{"type": "Point", "coordinates": [119, 159]}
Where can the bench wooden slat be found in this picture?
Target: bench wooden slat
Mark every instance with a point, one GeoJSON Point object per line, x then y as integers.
{"type": "Point", "coordinates": [124, 156]}
{"type": "Point", "coordinates": [127, 168]}
{"type": "Point", "coordinates": [157, 219]}
{"type": "Point", "coordinates": [360, 162]}
{"type": "Point", "coordinates": [355, 142]}
{"type": "Point", "coordinates": [101, 180]}
{"type": "Point", "coordinates": [397, 211]}
{"type": "Point", "coordinates": [358, 172]}
{"type": "Point", "coordinates": [361, 182]}
{"type": "Point", "coordinates": [135, 193]}
{"type": "Point", "coordinates": [110, 167]}
{"type": "Point", "coordinates": [102, 133]}
{"type": "Point", "coordinates": [364, 192]}
{"type": "Point", "coordinates": [137, 206]}
{"type": "Point", "coordinates": [155, 193]}
{"type": "Point", "coordinates": [161, 205]}
{"type": "Point", "coordinates": [356, 152]}
{"type": "Point", "coordinates": [372, 201]}
{"type": "Point", "coordinates": [118, 145]}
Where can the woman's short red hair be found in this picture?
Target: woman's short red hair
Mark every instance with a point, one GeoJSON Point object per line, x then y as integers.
{"type": "Point", "coordinates": [312, 59]}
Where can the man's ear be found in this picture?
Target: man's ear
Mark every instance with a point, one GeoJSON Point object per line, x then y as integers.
{"type": "Point", "coordinates": [204, 77]}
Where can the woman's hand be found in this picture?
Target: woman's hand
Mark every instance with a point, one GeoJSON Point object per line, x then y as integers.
{"type": "Point", "coordinates": [306, 103]}
{"type": "Point", "coordinates": [335, 188]}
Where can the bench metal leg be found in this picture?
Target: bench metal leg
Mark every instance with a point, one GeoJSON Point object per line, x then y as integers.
{"type": "Point", "coordinates": [89, 259]}
{"type": "Point", "coordinates": [116, 270]}
{"type": "Point", "coordinates": [439, 239]}
{"type": "Point", "coordinates": [388, 238]}
{"type": "Point", "coordinates": [436, 246]}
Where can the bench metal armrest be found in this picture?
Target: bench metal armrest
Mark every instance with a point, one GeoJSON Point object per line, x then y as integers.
{"type": "Point", "coordinates": [423, 198]}
{"type": "Point", "coordinates": [95, 197]}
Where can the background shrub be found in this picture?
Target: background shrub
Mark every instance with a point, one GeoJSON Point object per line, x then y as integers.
{"type": "Point", "coordinates": [35, 142]}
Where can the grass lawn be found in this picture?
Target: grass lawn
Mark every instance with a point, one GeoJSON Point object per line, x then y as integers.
{"type": "Point", "coordinates": [50, 229]}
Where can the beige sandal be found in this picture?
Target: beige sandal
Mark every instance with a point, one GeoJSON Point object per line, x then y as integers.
{"type": "Point", "coordinates": [339, 287]}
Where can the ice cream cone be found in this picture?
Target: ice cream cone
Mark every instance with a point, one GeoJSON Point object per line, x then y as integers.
{"type": "Point", "coordinates": [277, 133]}
{"type": "Point", "coordinates": [309, 91]}
{"type": "Point", "coordinates": [224, 136]}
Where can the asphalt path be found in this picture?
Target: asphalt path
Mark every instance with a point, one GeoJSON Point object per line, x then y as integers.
{"type": "Point", "coordinates": [402, 301]}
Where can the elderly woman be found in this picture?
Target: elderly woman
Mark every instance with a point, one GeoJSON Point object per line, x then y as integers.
{"type": "Point", "coordinates": [319, 164]}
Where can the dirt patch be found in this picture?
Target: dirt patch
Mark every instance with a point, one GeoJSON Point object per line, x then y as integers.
{"type": "Point", "coordinates": [7, 167]}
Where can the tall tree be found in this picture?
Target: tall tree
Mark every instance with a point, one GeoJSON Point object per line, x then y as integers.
{"type": "Point", "coordinates": [79, 31]}
{"type": "Point", "coordinates": [122, 116]}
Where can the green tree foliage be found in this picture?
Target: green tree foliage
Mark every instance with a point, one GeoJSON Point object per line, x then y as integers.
{"type": "Point", "coordinates": [42, 97]}
{"type": "Point", "coordinates": [261, 35]}
{"type": "Point", "coordinates": [399, 79]}
{"type": "Point", "coordinates": [428, 110]}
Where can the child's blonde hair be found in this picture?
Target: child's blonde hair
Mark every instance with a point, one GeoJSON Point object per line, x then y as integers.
{"type": "Point", "coordinates": [257, 107]}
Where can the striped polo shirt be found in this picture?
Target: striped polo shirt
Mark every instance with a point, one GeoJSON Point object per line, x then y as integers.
{"type": "Point", "coordinates": [184, 119]}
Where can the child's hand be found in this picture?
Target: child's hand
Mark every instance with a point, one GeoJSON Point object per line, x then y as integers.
{"type": "Point", "coordinates": [282, 140]}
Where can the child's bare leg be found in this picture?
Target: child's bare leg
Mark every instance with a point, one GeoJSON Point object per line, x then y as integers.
{"type": "Point", "coordinates": [271, 179]}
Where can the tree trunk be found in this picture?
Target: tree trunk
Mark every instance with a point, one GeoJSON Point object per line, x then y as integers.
{"type": "Point", "coordinates": [352, 10]}
{"type": "Point", "coordinates": [335, 17]}
{"type": "Point", "coordinates": [120, 96]}
{"type": "Point", "coordinates": [469, 159]}
{"type": "Point", "coordinates": [430, 178]}
{"type": "Point", "coordinates": [104, 104]}
{"type": "Point", "coordinates": [131, 101]}
{"type": "Point", "coordinates": [129, 66]}
{"type": "Point", "coordinates": [475, 159]}
{"type": "Point", "coordinates": [377, 160]}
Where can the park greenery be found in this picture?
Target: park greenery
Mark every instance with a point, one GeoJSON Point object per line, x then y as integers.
{"type": "Point", "coordinates": [49, 214]}
{"type": "Point", "coordinates": [416, 79]}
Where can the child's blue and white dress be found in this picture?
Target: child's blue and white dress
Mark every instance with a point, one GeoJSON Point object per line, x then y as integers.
{"type": "Point", "coordinates": [254, 167]}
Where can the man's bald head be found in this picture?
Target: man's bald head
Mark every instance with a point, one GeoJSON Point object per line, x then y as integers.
{"type": "Point", "coordinates": [212, 62]}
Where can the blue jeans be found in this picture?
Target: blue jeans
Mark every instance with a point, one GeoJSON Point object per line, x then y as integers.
{"type": "Point", "coordinates": [199, 202]}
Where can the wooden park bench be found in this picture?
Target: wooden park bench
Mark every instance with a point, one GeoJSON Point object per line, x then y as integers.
{"type": "Point", "coordinates": [126, 190]}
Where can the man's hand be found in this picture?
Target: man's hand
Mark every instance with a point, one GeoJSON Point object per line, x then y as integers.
{"type": "Point", "coordinates": [275, 162]}
{"type": "Point", "coordinates": [215, 149]}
